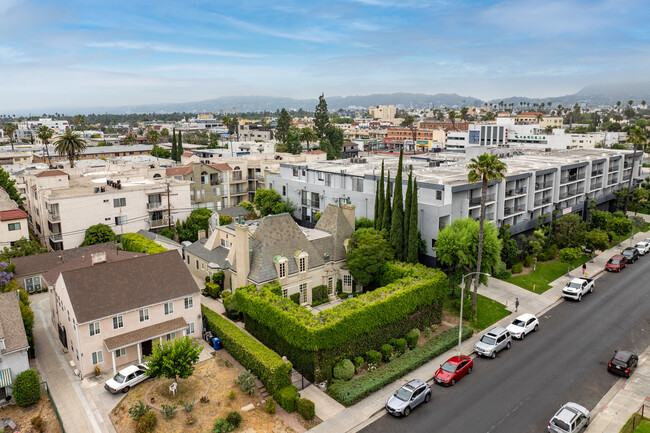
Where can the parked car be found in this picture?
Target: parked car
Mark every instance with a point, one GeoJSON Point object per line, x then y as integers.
{"type": "Point", "coordinates": [616, 263]}
{"type": "Point", "coordinates": [571, 418]}
{"type": "Point", "coordinates": [623, 363]}
{"type": "Point", "coordinates": [494, 341]}
{"type": "Point", "coordinates": [643, 247]}
{"type": "Point", "coordinates": [631, 254]}
{"type": "Point", "coordinates": [453, 369]}
{"type": "Point", "coordinates": [577, 288]}
{"type": "Point", "coordinates": [522, 325]}
{"type": "Point", "coordinates": [408, 398]}
{"type": "Point", "coordinates": [126, 378]}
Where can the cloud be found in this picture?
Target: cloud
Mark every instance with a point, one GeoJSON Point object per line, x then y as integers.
{"type": "Point", "coordinates": [163, 48]}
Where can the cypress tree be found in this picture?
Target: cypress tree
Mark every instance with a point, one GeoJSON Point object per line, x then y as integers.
{"type": "Point", "coordinates": [179, 146]}
{"type": "Point", "coordinates": [376, 204]}
{"type": "Point", "coordinates": [414, 233]}
{"type": "Point", "coordinates": [397, 217]}
{"type": "Point", "coordinates": [386, 216]}
{"type": "Point", "coordinates": [379, 218]}
{"type": "Point", "coordinates": [407, 210]}
{"type": "Point", "coordinates": [174, 150]}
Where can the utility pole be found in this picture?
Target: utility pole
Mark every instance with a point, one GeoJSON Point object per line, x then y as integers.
{"type": "Point", "coordinates": [169, 208]}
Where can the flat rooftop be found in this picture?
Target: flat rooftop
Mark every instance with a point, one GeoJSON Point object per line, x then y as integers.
{"type": "Point", "coordinates": [86, 184]}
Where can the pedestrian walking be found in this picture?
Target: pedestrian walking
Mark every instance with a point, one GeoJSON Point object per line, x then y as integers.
{"type": "Point", "coordinates": [516, 304]}
{"type": "Point", "coordinates": [584, 268]}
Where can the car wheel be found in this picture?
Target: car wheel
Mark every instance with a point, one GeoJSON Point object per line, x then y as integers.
{"type": "Point", "coordinates": [469, 370]}
{"type": "Point", "coordinates": [453, 382]}
{"type": "Point", "coordinates": [536, 328]}
{"type": "Point", "coordinates": [126, 389]}
{"type": "Point", "coordinates": [579, 298]}
{"type": "Point", "coordinates": [592, 289]}
{"type": "Point", "coordinates": [523, 335]}
{"type": "Point", "coordinates": [407, 411]}
{"type": "Point", "coordinates": [508, 345]}
{"type": "Point", "coordinates": [493, 354]}
{"type": "Point", "coordinates": [427, 398]}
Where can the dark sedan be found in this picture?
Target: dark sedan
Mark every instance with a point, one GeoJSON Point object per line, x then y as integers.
{"type": "Point", "coordinates": [623, 363]}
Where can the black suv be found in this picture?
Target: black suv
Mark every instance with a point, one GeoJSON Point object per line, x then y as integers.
{"type": "Point", "coordinates": [623, 363]}
{"type": "Point", "coordinates": [631, 254]}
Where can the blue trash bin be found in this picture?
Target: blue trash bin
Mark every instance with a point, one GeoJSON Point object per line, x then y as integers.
{"type": "Point", "coordinates": [216, 343]}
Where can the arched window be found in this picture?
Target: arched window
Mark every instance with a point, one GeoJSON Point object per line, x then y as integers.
{"type": "Point", "coordinates": [156, 176]}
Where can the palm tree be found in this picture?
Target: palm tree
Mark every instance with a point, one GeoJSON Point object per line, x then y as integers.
{"type": "Point", "coordinates": [45, 133]}
{"type": "Point", "coordinates": [152, 138]}
{"type": "Point", "coordinates": [452, 118]}
{"type": "Point", "coordinates": [638, 138]}
{"type": "Point", "coordinates": [643, 104]}
{"type": "Point", "coordinates": [485, 168]}
{"type": "Point", "coordinates": [308, 135]}
{"type": "Point", "coordinates": [463, 113]}
{"type": "Point", "coordinates": [10, 130]}
{"type": "Point", "coordinates": [618, 105]}
{"type": "Point", "coordinates": [71, 145]}
{"type": "Point", "coordinates": [164, 134]}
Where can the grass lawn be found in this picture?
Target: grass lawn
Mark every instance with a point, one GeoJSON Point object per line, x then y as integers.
{"type": "Point", "coordinates": [644, 427]}
{"type": "Point", "coordinates": [545, 272]}
{"type": "Point", "coordinates": [488, 312]}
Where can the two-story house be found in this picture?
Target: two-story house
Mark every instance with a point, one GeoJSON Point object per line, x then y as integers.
{"type": "Point", "coordinates": [13, 343]}
{"type": "Point", "coordinates": [13, 221]}
{"type": "Point", "coordinates": [111, 313]}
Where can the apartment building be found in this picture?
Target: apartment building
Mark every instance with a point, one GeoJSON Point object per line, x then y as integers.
{"type": "Point", "coordinates": [537, 183]}
{"type": "Point", "coordinates": [99, 152]}
{"type": "Point", "coordinates": [210, 184]}
{"type": "Point", "coordinates": [62, 205]}
{"type": "Point", "coordinates": [383, 112]}
{"type": "Point", "coordinates": [20, 157]}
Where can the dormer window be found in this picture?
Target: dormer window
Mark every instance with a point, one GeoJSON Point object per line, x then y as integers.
{"type": "Point", "coordinates": [282, 269]}
{"type": "Point", "coordinates": [281, 266]}
{"type": "Point", "coordinates": [301, 260]}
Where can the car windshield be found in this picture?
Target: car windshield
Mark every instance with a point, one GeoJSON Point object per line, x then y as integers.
{"type": "Point", "coordinates": [640, 246]}
{"type": "Point", "coordinates": [575, 285]}
{"type": "Point", "coordinates": [561, 424]}
{"type": "Point", "coordinates": [487, 340]}
{"type": "Point", "coordinates": [613, 262]}
{"type": "Point", "coordinates": [448, 367]}
{"type": "Point", "coordinates": [403, 394]}
{"type": "Point", "coordinates": [119, 378]}
{"type": "Point", "coordinates": [519, 323]}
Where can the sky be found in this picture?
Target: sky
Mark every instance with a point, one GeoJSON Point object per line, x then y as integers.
{"type": "Point", "coordinates": [58, 54]}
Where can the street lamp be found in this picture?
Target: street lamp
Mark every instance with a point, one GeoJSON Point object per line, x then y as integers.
{"type": "Point", "coordinates": [462, 296]}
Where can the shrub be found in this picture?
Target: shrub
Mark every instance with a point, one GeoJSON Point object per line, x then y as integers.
{"type": "Point", "coordinates": [412, 338]}
{"type": "Point", "coordinates": [295, 298]}
{"type": "Point", "coordinates": [399, 344]}
{"type": "Point", "coordinates": [38, 424]}
{"type": "Point", "coordinates": [168, 411]}
{"type": "Point", "coordinates": [222, 426]}
{"type": "Point", "coordinates": [264, 363]}
{"type": "Point", "coordinates": [354, 390]}
{"type": "Point", "coordinates": [234, 418]}
{"type": "Point", "coordinates": [147, 423]}
{"type": "Point", "coordinates": [373, 357]}
{"type": "Point", "coordinates": [232, 395]}
{"type": "Point", "coordinates": [189, 406]}
{"type": "Point", "coordinates": [138, 410]}
{"type": "Point", "coordinates": [344, 369]}
{"type": "Point", "coordinates": [319, 295]}
{"type": "Point", "coordinates": [358, 362]}
{"type": "Point", "coordinates": [287, 398]}
{"type": "Point", "coordinates": [306, 408]}
{"type": "Point", "coordinates": [528, 261]}
{"type": "Point", "coordinates": [225, 295]}
{"type": "Point", "coordinates": [139, 244]}
{"type": "Point", "coordinates": [247, 382]}
{"type": "Point", "coordinates": [207, 278]}
{"type": "Point", "coordinates": [517, 268]}
{"type": "Point", "coordinates": [386, 351]}
{"type": "Point", "coordinates": [190, 420]}
{"type": "Point", "coordinates": [230, 304]}
{"type": "Point", "coordinates": [27, 388]}
{"type": "Point", "coordinates": [270, 405]}
{"type": "Point", "coordinates": [212, 289]}
{"type": "Point", "coordinates": [550, 253]}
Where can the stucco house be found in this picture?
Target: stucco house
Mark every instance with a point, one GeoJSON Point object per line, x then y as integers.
{"type": "Point", "coordinates": [13, 343]}
{"type": "Point", "coordinates": [109, 312]}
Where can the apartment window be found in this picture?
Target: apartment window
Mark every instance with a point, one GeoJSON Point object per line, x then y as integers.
{"type": "Point", "coordinates": [295, 172]}
{"type": "Point", "coordinates": [169, 308]}
{"type": "Point", "coordinates": [189, 302]}
{"type": "Point", "coordinates": [32, 284]}
{"type": "Point", "coordinates": [197, 264]}
{"type": "Point", "coordinates": [303, 293]}
{"type": "Point", "coordinates": [190, 328]}
{"type": "Point", "coordinates": [438, 195]}
{"type": "Point", "coordinates": [347, 280]}
{"type": "Point", "coordinates": [118, 322]}
{"type": "Point", "coordinates": [188, 259]}
{"type": "Point", "coordinates": [119, 220]}
{"type": "Point", "coordinates": [170, 336]}
{"type": "Point", "coordinates": [120, 352]}
{"type": "Point", "coordinates": [285, 293]}
{"type": "Point", "coordinates": [14, 227]}
{"type": "Point", "coordinates": [98, 357]}
{"type": "Point", "coordinates": [284, 190]}
{"type": "Point", "coordinates": [216, 191]}
{"type": "Point", "coordinates": [119, 202]}
{"type": "Point", "coordinates": [144, 315]}
{"type": "Point", "coordinates": [328, 179]}
{"type": "Point", "coordinates": [226, 244]}
{"type": "Point", "coordinates": [357, 184]}
{"type": "Point", "coordinates": [321, 175]}
{"type": "Point", "coordinates": [282, 270]}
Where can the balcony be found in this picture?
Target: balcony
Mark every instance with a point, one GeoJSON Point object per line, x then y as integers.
{"type": "Point", "coordinates": [513, 210]}
{"type": "Point", "coordinates": [160, 222]}
{"type": "Point", "coordinates": [55, 217]}
{"type": "Point", "coordinates": [56, 237]}
{"type": "Point", "coordinates": [475, 201]}
{"type": "Point", "coordinates": [613, 168]}
{"type": "Point", "coordinates": [596, 172]}
{"type": "Point", "coordinates": [596, 185]}
{"type": "Point", "coordinates": [572, 178]}
{"type": "Point", "coordinates": [516, 191]}
{"type": "Point", "coordinates": [154, 205]}
{"type": "Point", "coordinates": [543, 185]}
{"type": "Point", "coordinates": [571, 193]}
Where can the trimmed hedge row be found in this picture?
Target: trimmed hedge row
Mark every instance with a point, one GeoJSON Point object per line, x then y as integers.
{"type": "Point", "coordinates": [411, 288]}
{"type": "Point", "coordinates": [350, 392]}
{"type": "Point", "coordinates": [139, 244]}
{"type": "Point", "coordinates": [264, 363]}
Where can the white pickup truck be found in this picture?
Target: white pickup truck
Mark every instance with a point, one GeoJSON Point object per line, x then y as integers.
{"type": "Point", "coordinates": [577, 288]}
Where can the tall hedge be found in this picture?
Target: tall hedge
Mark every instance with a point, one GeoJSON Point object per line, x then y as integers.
{"type": "Point", "coordinates": [139, 244]}
{"type": "Point", "coordinates": [264, 363]}
{"type": "Point", "coordinates": [27, 388]}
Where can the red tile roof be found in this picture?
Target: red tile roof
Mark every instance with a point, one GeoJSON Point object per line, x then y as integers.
{"type": "Point", "coordinates": [221, 166]}
{"type": "Point", "coordinates": [49, 173]}
{"type": "Point", "coordinates": [316, 151]}
{"type": "Point", "coordinates": [187, 154]}
{"type": "Point", "coordinates": [13, 214]}
{"type": "Point", "coordinates": [182, 170]}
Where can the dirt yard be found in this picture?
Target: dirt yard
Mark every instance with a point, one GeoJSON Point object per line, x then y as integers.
{"type": "Point", "coordinates": [220, 375]}
{"type": "Point", "coordinates": [22, 416]}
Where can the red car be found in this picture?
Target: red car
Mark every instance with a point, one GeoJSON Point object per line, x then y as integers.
{"type": "Point", "coordinates": [452, 370]}
{"type": "Point", "coordinates": [616, 263]}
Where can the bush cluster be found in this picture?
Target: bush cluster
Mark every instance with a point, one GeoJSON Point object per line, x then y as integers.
{"type": "Point", "coordinates": [517, 267]}
{"type": "Point", "coordinates": [386, 351]}
{"type": "Point", "coordinates": [344, 370]}
{"type": "Point", "coordinates": [139, 244]}
{"type": "Point", "coordinates": [373, 357]}
{"type": "Point", "coordinates": [287, 398]}
{"type": "Point", "coordinates": [264, 363]}
{"type": "Point", "coordinates": [27, 388]}
{"type": "Point", "coordinates": [295, 298]}
{"type": "Point", "coordinates": [232, 310]}
{"type": "Point", "coordinates": [354, 390]}
{"type": "Point", "coordinates": [270, 405]}
{"type": "Point", "coordinates": [319, 295]}
{"type": "Point", "coordinates": [358, 362]}
{"type": "Point", "coordinates": [412, 338]}
{"type": "Point", "coordinates": [306, 408]}
{"type": "Point", "coordinates": [399, 344]}
{"type": "Point", "coordinates": [147, 423]}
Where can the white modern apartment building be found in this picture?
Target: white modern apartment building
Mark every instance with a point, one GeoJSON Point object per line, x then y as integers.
{"type": "Point", "coordinates": [62, 205]}
{"type": "Point", "coordinates": [537, 183]}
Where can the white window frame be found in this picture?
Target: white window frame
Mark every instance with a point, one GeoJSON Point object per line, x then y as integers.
{"type": "Point", "coordinates": [188, 302]}
{"type": "Point", "coordinates": [120, 352]}
{"type": "Point", "coordinates": [190, 328]}
{"type": "Point", "coordinates": [118, 322]}
{"type": "Point", "coordinates": [94, 328]}
{"type": "Point", "coordinates": [302, 264]}
{"type": "Point", "coordinates": [121, 220]}
{"type": "Point", "coordinates": [169, 308]}
{"type": "Point", "coordinates": [144, 315]}
{"type": "Point", "coordinates": [119, 202]}
{"type": "Point", "coordinates": [170, 336]}
{"type": "Point", "coordinates": [97, 357]}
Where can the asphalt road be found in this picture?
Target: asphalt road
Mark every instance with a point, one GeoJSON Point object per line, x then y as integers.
{"type": "Point", "coordinates": [565, 360]}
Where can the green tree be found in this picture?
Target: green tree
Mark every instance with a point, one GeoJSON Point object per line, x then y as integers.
{"type": "Point", "coordinates": [397, 216]}
{"type": "Point", "coordinates": [537, 243]}
{"type": "Point", "coordinates": [485, 168]}
{"type": "Point", "coordinates": [407, 211]}
{"type": "Point", "coordinates": [309, 136]}
{"type": "Point", "coordinates": [601, 219]}
{"type": "Point", "coordinates": [9, 185]}
{"type": "Point", "coordinates": [376, 212]}
{"type": "Point", "coordinates": [294, 145]}
{"type": "Point", "coordinates": [636, 137]}
{"type": "Point", "coordinates": [413, 240]}
{"type": "Point", "coordinates": [597, 239]}
{"type": "Point", "coordinates": [569, 231]}
{"type": "Point", "coordinates": [368, 253]}
{"type": "Point", "coordinates": [188, 230]}
{"type": "Point", "coordinates": [380, 207]}
{"type": "Point", "coordinates": [22, 247]}
{"type": "Point", "coordinates": [179, 146]}
{"type": "Point", "coordinates": [70, 145]}
{"type": "Point", "coordinates": [27, 388]}
{"type": "Point", "coordinates": [386, 216]}
{"type": "Point", "coordinates": [269, 202]}
{"type": "Point", "coordinates": [45, 134]}
{"type": "Point", "coordinates": [334, 136]}
{"type": "Point", "coordinates": [284, 124]}
{"type": "Point", "coordinates": [175, 155]}
{"type": "Point", "coordinates": [509, 251]}
{"type": "Point", "coordinates": [153, 137]}
{"type": "Point", "coordinates": [620, 226]}
{"type": "Point", "coordinates": [98, 234]}
{"type": "Point", "coordinates": [321, 117]}
{"type": "Point", "coordinates": [160, 152]}
{"type": "Point", "coordinates": [174, 359]}
{"type": "Point", "coordinates": [164, 134]}
{"type": "Point", "coordinates": [569, 255]}
{"type": "Point", "coordinates": [9, 130]}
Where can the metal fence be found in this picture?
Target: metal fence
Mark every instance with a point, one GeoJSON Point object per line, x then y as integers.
{"type": "Point", "coordinates": [643, 412]}
{"type": "Point", "coordinates": [46, 390]}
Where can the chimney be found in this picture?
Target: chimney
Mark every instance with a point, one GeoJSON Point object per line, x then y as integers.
{"type": "Point", "coordinates": [97, 258]}
{"type": "Point", "coordinates": [201, 234]}
{"type": "Point", "coordinates": [242, 255]}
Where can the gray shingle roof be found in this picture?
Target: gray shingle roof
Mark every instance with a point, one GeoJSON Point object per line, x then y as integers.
{"type": "Point", "coordinates": [12, 329]}
{"type": "Point", "coordinates": [333, 221]}
{"type": "Point", "coordinates": [217, 255]}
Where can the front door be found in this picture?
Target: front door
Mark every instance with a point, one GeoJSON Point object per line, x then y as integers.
{"type": "Point", "coordinates": [330, 286]}
{"type": "Point", "coordinates": [146, 348]}
{"type": "Point", "coordinates": [63, 337]}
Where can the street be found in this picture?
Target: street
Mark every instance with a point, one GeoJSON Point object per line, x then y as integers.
{"type": "Point", "coordinates": [566, 360]}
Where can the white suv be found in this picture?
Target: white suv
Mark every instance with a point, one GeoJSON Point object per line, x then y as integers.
{"type": "Point", "coordinates": [643, 247]}
{"type": "Point", "coordinates": [571, 418]}
{"type": "Point", "coordinates": [494, 341]}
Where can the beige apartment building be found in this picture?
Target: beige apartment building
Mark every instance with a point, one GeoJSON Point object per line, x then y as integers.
{"type": "Point", "coordinates": [383, 112]}
{"type": "Point", "coordinates": [136, 301]}
{"type": "Point", "coordinates": [210, 183]}
{"type": "Point", "coordinates": [13, 221]}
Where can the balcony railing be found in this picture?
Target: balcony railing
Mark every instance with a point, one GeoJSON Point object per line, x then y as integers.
{"type": "Point", "coordinates": [161, 222]}
{"type": "Point", "coordinates": [477, 200]}
{"type": "Point", "coordinates": [516, 191]}
{"type": "Point", "coordinates": [596, 185]}
{"type": "Point", "coordinates": [154, 205]}
{"type": "Point", "coordinates": [613, 168]}
{"type": "Point", "coordinates": [543, 185]}
{"type": "Point", "coordinates": [572, 178]}
{"type": "Point", "coordinates": [56, 237]}
{"type": "Point", "coordinates": [513, 209]}
{"type": "Point", "coordinates": [489, 216]}
{"type": "Point", "coordinates": [55, 217]}
{"type": "Point", "coordinates": [596, 172]}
